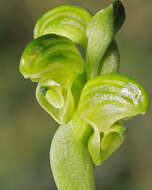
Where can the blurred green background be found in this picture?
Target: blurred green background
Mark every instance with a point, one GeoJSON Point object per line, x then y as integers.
{"type": "Point", "coordinates": [26, 130]}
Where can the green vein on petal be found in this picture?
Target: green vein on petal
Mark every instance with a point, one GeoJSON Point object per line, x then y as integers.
{"type": "Point", "coordinates": [105, 101]}
{"type": "Point", "coordinates": [56, 64]}
{"type": "Point", "coordinates": [66, 20]}
{"type": "Point", "coordinates": [110, 98]}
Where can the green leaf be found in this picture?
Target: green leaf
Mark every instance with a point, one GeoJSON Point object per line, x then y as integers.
{"type": "Point", "coordinates": [66, 20]}
{"type": "Point", "coordinates": [55, 63]}
{"type": "Point", "coordinates": [100, 33]}
{"type": "Point", "coordinates": [70, 160]}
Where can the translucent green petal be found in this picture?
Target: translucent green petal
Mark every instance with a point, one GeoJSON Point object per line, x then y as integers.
{"type": "Point", "coordinates": [94, 145]}
{"type": "Point", "coordinates": [55, 63]}
{"type": "Point", "coordinates": [101, 146]}
{"type": "Point", "coordinates": [61, 105]}
{"type": "Point", "coordinates": [110, 98]}
{"type": "Point", "coordinates": [100, 32]}
{"type": "Point", "coordinates": [55, 97]}
{"type": "Point", "coordinates": [66, 20]}
{"type": "Point", "coordinates": [110, 61]}
{"type": "Point", "coordinates": [104, 101]}
{"type": "Point", "coordinates": [51, 55]}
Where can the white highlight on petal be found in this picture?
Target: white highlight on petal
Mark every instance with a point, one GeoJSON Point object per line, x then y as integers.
{"type": "Point", "coordinates": [133, 92]}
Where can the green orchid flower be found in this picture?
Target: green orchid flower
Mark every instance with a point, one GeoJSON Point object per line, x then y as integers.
{"type": "Point", "coordinates": [55, 63]}
{"type": "Point", "coordinates": [87, 98]}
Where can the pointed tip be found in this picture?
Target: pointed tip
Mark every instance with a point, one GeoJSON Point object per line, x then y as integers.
{"type": "Point", "coordinates": [119, 14]}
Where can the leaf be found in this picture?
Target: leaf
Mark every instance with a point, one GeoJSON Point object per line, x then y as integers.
{"type": "Point", "coordinates": [100, 33]}
{"type": "Point", "coordinates": [55, 63]}
{"type": "Point", "coordinates": [70, 160]}
{"type": "Point", "coordinates": [66, 20]}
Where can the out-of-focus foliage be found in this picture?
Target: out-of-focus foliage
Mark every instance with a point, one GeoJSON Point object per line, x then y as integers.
{"type": "Point", "coordinates": [26, 130]}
